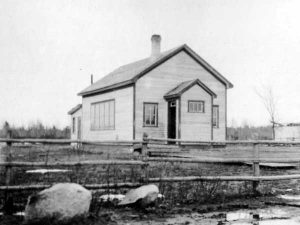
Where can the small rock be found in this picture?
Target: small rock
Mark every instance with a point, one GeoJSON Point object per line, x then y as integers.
{"type": "Point", "coordinates": [147, 194]}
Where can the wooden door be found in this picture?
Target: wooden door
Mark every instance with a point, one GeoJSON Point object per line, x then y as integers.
{"type": "Point", "coordinates": [172, 119]}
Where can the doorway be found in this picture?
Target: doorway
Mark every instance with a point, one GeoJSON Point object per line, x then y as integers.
{"type": "Point", "coordinates": [172, 119]}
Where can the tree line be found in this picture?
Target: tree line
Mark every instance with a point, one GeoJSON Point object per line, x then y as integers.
{"type": "Point", "coordinates": [247, 132]}
{"type": "Point", "coordinates": [38, 130]}
{"type": "Point", "coordinates": [34, 130]}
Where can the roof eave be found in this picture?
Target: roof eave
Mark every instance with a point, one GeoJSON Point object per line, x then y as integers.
{"type": "Point", "coordinates": [168, 97]}
{"type": "Point", "coordinates": [210, 92]}
{"type": "Point", "coordinates": [75, 109]}
{"type": "Point", "coordinates": [107, 88]}
{"type": "Point", "coordinates": [230, 85]}
{"type": "Point", "coordinates": [199, 83]}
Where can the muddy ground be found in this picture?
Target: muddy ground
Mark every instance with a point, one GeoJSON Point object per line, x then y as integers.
{"type": "Point", "coordinates": [184, 203]}
{"type": "Point", "coordinates": [251, 210]}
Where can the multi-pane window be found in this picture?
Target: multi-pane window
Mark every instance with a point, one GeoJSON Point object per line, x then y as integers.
{"type": "Point", "coordinates": [216, 116]}
{"type": "Point", "coordinates": [150, 114]}
{"type": "Point", "coordinates": [196, 106]}
{"type": "Point", "coordinates": [103, 115]}
{"type": "Point", "coordinates": [73, 125]}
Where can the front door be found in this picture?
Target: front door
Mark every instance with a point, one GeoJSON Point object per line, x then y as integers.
{"type": "Point", "coordinates": [79, 128]}
{"type": "Point", "coordinates": [172, 119]}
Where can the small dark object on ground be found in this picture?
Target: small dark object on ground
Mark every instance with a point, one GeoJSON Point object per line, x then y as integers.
{"type": "Point", "coordinates": [256, 216]}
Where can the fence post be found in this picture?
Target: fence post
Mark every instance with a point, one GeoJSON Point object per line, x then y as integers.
{"type": "Point", "coordinates": [8, 136]}
{"type": "Point", "coordinates": [145, 145]}
{"type": "Point", "coordinates": [255, 166]}
{"type": "Point", "coordinates": [8, 199]}
{"type": "Point", "coordinates": [144, 157]}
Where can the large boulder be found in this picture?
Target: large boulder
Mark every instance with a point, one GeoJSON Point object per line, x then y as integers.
{"type": "Point", "coordinates": [60, 202]}
{"type": "Point", "coordinates": [145, 195]}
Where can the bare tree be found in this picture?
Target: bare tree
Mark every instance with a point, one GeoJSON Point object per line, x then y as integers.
{"type": "Point", "coordinates": [266, 94]}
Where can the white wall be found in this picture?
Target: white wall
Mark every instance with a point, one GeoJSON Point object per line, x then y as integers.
{"type": "Point", "coordinates": [155, 84]}
{"type": "Point", "coordinates": [196, 126]}
{"type": "Point", "coordinates": [123, 116]}
{"type": "Point", "coordinates": [75, 115]}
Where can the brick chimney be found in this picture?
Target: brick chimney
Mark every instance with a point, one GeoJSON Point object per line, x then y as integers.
{"type": "Point", "coordinates": [155, 47]}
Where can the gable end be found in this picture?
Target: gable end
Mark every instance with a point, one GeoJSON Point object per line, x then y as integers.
{"type": "Point", "coordinates": [194, 56]}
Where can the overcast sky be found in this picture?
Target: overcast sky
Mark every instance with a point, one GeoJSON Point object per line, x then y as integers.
{"type": "Point", "coordinates": [48, 49]}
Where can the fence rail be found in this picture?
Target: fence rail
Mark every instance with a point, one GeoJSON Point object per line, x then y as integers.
{"type": "Point", "coordinates": [88, 186]}
{"type": "Point", "coordinates": [219, 160]}
{"type": "Point", "coordinates": [147, 141]}
{"type": "Point", "coordinates": [237, 142]}
{"type": "Point", "coordinates": [159, 179]}
{"type": "Point", "coordinates": [145, 161]}
{"type": "Point", "coordinates": [73, 163]}
{"type": "Point", "coordinates": [68, 141]}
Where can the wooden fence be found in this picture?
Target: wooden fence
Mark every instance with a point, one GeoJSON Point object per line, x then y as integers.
{"type": "Point", "coordinates": [145, 160]}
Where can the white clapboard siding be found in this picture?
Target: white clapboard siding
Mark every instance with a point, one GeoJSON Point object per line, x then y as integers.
{"type": "Point", "coordinates": [156, 83]}
{"type": "Point", "coordinates": [196, 126]}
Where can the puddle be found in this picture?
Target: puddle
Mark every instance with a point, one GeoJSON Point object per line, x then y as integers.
{"type": "Point", "coordinates": [22, 213]}
{"type": "Point", "coordinates": [19, 214]}
{"type": "Point", "coordinates": [234, 216]}
{"type": "Point", "coordinates": [279, 222]}
{"type": "Point", "coordinates": [43, 171]}
{"type": "Point", "coordinates": [269, 216]}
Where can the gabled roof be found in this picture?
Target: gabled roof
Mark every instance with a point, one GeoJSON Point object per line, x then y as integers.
{"type": "Point", "coordinates": [130, 73]}
{"type": "Point", "coordinates": [184, 86]}
{"type": "Point", "coordinates": [75, 109]}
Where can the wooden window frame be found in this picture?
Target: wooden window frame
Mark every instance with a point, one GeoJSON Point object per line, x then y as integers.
{"type": "Point", "coordinates": [196, 101]}
{"type": "Point", "coordinates": [218, 116]}
{"type": "Point", "coordinates": [156, 116]}
{"type": "Point", "coordinates": [114, 116]}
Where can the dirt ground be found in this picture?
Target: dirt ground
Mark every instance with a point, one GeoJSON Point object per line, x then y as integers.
{"type": "Point", "coordinates": [235, 211]}
{"type": "Point", "coordinates": [184, 203]}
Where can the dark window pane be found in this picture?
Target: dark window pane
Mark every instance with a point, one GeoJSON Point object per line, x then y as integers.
{"type": "Point", "coordinates": [196, 106]}
{"type": "Point", "coordinates": [150, 114]}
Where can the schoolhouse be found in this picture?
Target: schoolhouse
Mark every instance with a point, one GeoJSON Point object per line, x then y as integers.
{"type": "Point", "coordinates": [170, 94]}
